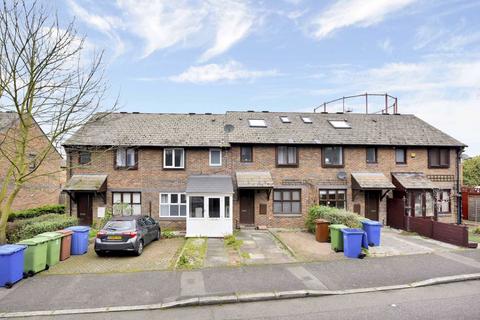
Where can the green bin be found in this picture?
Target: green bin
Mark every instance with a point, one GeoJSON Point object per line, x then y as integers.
{"type": "Point", "coordinates": [35, 255]}
{"type": "Point", "coordinates": [336, 236]}
{"type": "Point", "coordinates": [53, 246]}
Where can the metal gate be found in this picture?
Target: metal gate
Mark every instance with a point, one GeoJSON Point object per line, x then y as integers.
{"type": "Point", "coordinates": [396, 213]}
{"type": "Point", "coordinates": [474, 208]}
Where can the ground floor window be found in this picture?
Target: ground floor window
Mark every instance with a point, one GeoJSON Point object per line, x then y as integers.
{"type": "Point", "coordinates": [333, 198]}
{"type": "Point", "coordinates": [127, 203]}
{"type": "Point", "coordinates": [173, 205]}
{"type": "Point", "coordinates": [443, 201]}
{"type": "Point", "coordinates": [287, 201]}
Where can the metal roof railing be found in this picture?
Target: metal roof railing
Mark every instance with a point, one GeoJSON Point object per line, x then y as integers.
{"type": "Point", "coordinates": [391, 103]}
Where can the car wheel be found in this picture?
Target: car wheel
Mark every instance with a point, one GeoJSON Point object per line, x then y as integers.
{"type": "Point", "coordinates": [157, 237]}
{"type": "Point", "coordinates": [139, 248]}
{"type": "Point", "coordinates": [100, 253]}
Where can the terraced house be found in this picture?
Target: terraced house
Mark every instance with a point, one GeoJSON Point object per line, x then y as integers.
{"type": "Point", "coordinates": [208, 173]}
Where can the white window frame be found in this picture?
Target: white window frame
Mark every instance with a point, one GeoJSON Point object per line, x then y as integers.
{"type": "Point", "coordinates": [174, 151]}
{"type": "Point", "coordinates": [285, 119]}
{"type": "Point", "coordinates": [210, 157]}
{"type": "Point", "coordinates": [257, 123]}
{"type": "Point", "coordinates": [340, 124]}
{"type": "Point", "coordinates": [128, 206]}
{"type": "Point", "coordinates": [169, 204]}
{"type": "Point", "coordinates": [306, 119]}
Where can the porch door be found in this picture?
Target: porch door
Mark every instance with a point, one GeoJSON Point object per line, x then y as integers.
{"type": "Point", "coordinates": [372, 198]}
{"type": "Point", "coordinates": [247, 206]}
{"type": "Point", "coordinates": [84, 208]}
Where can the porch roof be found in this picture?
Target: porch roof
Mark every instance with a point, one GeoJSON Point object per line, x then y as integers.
{"type": "Point", "coordinates": [210, 184]}
{"type": "Point", "coordinates": [371, 181]}
{"type": "Point", "coordinates": [254, 179]}
{"type": "Point", "coordinates": [412, 180]}
{"type": "Point", "coordinates": [87, 182]}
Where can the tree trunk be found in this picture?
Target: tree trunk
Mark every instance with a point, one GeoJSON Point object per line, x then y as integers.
{"type": "Point", "coordinates": [3, 226]}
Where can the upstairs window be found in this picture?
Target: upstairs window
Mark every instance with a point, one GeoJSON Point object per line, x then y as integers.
{"type": "Point", "coordinates": [285, 119]}
{"type": "Point", "coordinates": [340, 124]}
{"type": "Point", "coordinates": [174, 158]}
{"type": "Point", "coordinates": [400, 156]}
{"type": "Point", "coordinates": [246, 154]}
{"type": "Point", "coordinates": [257, 123]}
{"type": "Point", "coordinates": [371, 155]}
{"type": "Point", "coordinates": [306, 120]}
{"type": "Point", "coordinates": [126, 158]}
{"type": "Point", "coordinates": [332, 157]}
{"type": "Point", "coordinates": [32, 161]}
{"type": "Point", "coordinates": [287, 156]}
{"type": "Point", "coordinates": [439, 158]}
{"type": "Point", "coordinates": [84, 157]}
{"type": "Point", "coordinates": [215, 157]}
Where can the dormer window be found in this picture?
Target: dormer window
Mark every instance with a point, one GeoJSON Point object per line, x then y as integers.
{"type": "Point", "coordinates": [340, 124]}
{"type": "Point", "coordinates": [257, 123]}
{"type": "Point", "coordinates": [285, 119]}
{"type": "Point", "coordinates": [306, 119]}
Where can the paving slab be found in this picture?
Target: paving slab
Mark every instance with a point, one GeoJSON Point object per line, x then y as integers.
{"type": "Point", "coordinates": [216, 255]}
{"type": "Point", "coordinates": [262, 248]}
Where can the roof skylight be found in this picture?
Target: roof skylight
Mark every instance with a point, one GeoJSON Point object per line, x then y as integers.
{"type": "Point", "coordinates": [340, 124]}
{"type": "Point", "coordinates": [285, 119]}
{"type": "Point", "coordinates": [306, 119]}
{"type": "Point", "coordinates": [257, 123]}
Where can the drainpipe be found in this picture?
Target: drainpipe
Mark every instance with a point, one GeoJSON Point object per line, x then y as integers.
{"type": "Point", "coordinates": [459, 193]}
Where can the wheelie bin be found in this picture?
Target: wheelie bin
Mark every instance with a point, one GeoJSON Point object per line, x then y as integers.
{"type": "Point", "coordinates": [11, 264]}
{"type": "Point", "coordinates": [321, 230]}
{"type": "Point", "coordinates": [336, 236]}
{"type": "Point", "coordinates": [66, 244]}
{"type": "Point", "coordinates": [79, 239]}
{"type": "Point", "coordinates": [35, 255]}
{"type": "Point", "coordinates": [373, 230]}
{"type": "Point", "coordinates": [352, 242]}
{"type": "Point", "coordinates": [53, 246]}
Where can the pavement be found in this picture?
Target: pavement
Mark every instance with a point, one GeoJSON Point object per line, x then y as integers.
{"type": "Point", "coordinates": [57, 292]}
{"type": "Point", "coordinates": [441, 302]}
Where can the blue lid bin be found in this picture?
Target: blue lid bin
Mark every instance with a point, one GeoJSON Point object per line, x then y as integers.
{"type": "Point", "coordinates": [373, 230]}
{"type": "Point", "coordinates": [11, 264]}
{"type": "Point", "coordinates": [352, 242]}
{"type": "Point", "coordinates": [79, 239]}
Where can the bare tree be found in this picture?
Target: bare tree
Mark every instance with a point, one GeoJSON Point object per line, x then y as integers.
{"type": "Point", "coordinates": [46, 80]}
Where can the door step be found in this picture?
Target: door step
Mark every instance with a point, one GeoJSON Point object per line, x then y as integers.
{"type": "Point", "coordinates": [247, 226]}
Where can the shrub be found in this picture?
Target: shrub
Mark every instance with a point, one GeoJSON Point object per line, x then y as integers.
{"type": "Point", "coordinates": [28, 228]}
{"type": "Point", "coordinates": [476, 230]}
{"type": "Point", "coordinates": [167, 233]}
{"type": "Point", "coordinates": [332, 215]}
{"type": "Point", "coordinates": [35, 212]}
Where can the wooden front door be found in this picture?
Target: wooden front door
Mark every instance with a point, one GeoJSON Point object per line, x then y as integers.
{"type": "Point", "coordinates": [84, 208]}
{"type": "Point", "coordinates": [247, 206]}
{"type": "Point", "coordinates": [372, 198]}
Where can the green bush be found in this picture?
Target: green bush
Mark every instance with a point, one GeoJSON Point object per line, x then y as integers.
{"type": "Point", "coordinates": [35, 212]}
{"type": "Point", "coordinates": [168, 233]}
{"type": "Point", "coordinates": [332, 215]}
{"type": "Point", "coordinates": [28, 228]}
{"type": "Point", "coordinates": [476, 230]}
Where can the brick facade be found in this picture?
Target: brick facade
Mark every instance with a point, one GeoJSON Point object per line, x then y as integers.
{"type": "Point", "coordinates": [151, 178]}
{"type": "Point", "coordinates": [43, 190]}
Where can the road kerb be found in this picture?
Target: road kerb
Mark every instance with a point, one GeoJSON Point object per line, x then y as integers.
{"type": "Point", "coordinates": [243, 297]}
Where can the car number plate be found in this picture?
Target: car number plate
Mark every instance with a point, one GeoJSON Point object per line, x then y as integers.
{"type": "Point", "coordinates": [114, 237]}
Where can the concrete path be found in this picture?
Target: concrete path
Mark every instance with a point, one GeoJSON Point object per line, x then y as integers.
{"type": "Point", "coordinates": [216, 255]}
{"type": "Point", "coordinates": [54, 292]}
{"type": "Point", "coordinates": [262, 248]}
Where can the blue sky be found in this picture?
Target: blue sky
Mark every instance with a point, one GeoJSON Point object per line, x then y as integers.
{"type": "Point", "coordinates": [290, 55]}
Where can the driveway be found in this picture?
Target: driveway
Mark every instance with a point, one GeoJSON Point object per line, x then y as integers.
{"type": "Point", "coordinates": [158, 255]}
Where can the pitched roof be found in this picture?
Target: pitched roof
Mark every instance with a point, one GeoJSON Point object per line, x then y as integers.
{"type": "Point", "coordinates": [221, 130]}
{"type": "Point", "coordinates": [371, 181]}
{"type": "Point", "coordinates": [412, 180]}
{"type": "Point", "coordinates": [7, 119]}
{"type": "Point", "coordinates": [151, 129]}
{"type": "Point", "coordinates": [209, 184]}
{"type": "Point", "coordinates": [86, 182]}
{"type": "Point", "coordinates": [366, 129]}
{"type": "Point", "coordinates": [254, 179]}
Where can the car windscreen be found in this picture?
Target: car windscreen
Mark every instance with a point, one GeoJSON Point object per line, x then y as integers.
{"type": "Point", "coordinates": [117, 225]}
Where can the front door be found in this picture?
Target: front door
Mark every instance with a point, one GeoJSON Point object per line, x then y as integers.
{"type": "Point", "coordinates": [84, 208]}
{"type": "Point", "coordinates": [372, 198]}
{"type": "Point", "coordinates": [247, 206]}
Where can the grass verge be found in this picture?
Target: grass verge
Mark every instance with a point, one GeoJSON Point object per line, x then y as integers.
{"type": "Point", "coordinates": [193, 254]}
{"type": "Point", "coordinates": [473, 237]}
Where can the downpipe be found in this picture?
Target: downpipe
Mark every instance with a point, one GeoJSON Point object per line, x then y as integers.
{"type": "Point", "coordinates": [458, 187]}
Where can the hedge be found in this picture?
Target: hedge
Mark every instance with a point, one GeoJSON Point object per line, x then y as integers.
{"type": "Point", "coordinates": [28, 228]}
{"type": "Point", "coordinates": [35, 212]}
{"type": "Point", "coordinates": [332, 215]}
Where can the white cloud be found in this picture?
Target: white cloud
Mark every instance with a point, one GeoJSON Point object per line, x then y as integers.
{"type": "Point", "coordinates": [215, 24]}
{"type": "Point", "coordinates": [386, 45]}
{"type": "Point", "coordinates": [346, 13]}
{"type": "Point", "coordinates": [439, 38]}
{"type": "Point", "coordinates": [230, 71]}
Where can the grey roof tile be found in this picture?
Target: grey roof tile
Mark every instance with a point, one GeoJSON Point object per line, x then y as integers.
{"type": "Point", "coordinates": [254, 179]}
{"type": "Point", "coordinates": [210, 184]}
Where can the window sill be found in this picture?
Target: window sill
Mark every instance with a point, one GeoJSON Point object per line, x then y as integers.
{"type": "Point", "coordinates": [287, 165]}
{"type": "Point", "coordinates": [172, 218]}
{"type": "Point", "coordinates": [284, 215]}
{"type": "Point", "coordinates": [446, 214]}
{"type": "Point", "coordinates": [326, 166]}
{"type": "Point", "coordinates": [126, 168]}
{"type": "Point", "coordinates": [173, 168]}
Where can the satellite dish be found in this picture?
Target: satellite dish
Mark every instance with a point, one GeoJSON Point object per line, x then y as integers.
{"type": "Point", "coordinates": [342, 175]}
{"type": "Point", "coordinates": [228, 128]}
